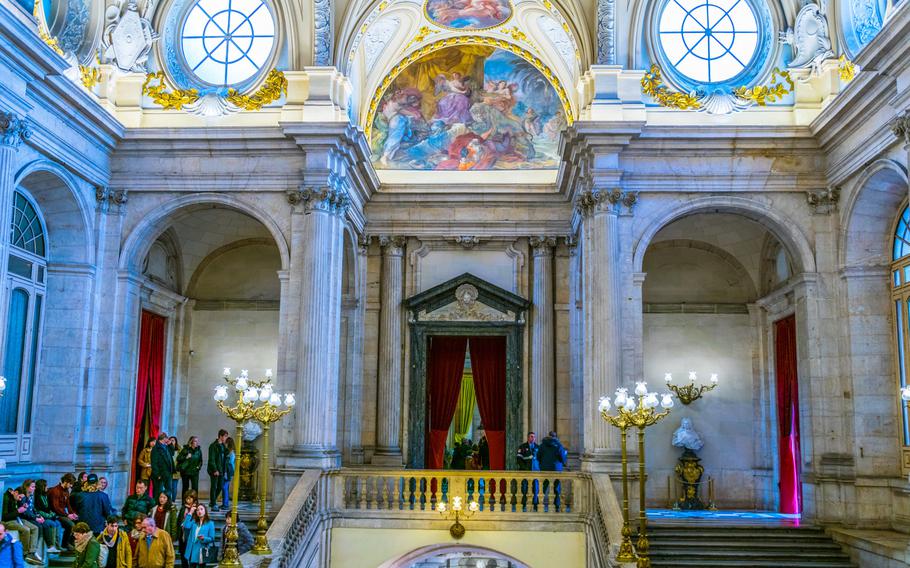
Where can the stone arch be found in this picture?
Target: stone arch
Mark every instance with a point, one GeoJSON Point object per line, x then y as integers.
{"type": "Point", "coordinates": [869, 215]}
{"type": "Point", "coordinates": [728, 259]}
{"type": "Point", "coordinates": [425, 552]}
{"type": "Point", "coordinates": [140, 239]}
{"type": "Point", "coordinates": [66, 214]}
{"type": "Point", "coordinates": [781, 226]}
{"type": "Point", "coordinates": [215, 255]}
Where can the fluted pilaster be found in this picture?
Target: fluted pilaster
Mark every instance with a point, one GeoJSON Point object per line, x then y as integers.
{"type": "Point", "coordinates": [543, 373]}
{"type": "Point", "coordinates": [602, 315]}
{"type": "Point", "coordinates": [316, 249]}
{"type": "Point", "coordinates": [388, 415]}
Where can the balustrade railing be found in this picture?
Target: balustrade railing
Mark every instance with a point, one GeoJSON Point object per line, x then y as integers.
{"type": "Point", "coordinates": [494, 491]}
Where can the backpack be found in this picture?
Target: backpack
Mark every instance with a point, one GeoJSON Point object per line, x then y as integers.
{"type": "Point", "coordinates": [103, 553]}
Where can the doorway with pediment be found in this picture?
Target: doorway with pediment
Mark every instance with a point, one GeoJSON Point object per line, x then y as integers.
{"type": "Point", "coordinates": [465, 319]}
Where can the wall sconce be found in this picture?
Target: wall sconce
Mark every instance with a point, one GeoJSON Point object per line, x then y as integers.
{"type": "Point", "coordinates": [457, 530]}
{"type": "Point", "coordinates": [687, 394]}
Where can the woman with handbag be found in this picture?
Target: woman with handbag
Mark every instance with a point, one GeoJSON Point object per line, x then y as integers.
{"type": "Point", "coordinates": [200, 538]}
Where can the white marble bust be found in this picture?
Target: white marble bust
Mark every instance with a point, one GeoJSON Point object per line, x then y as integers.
{"type": "Point", "coordinates": [686, 436]}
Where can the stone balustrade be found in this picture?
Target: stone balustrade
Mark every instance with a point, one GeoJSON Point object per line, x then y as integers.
{"type": "Point", "coordinates": [495, 491]}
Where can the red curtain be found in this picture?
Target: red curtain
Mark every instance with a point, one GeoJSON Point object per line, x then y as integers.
{"type": "Point", "coordinates": [149, 381]}
{"type": "Point", "coordinates": [488, 365]}
{"type": "Point", "coordinates": [791, 499]}
{"type": "Point", "coordinates": [445, 366]}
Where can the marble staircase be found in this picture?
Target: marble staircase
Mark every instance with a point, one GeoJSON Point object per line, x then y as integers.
{"type": "Point", "coordinates": [778, 546]}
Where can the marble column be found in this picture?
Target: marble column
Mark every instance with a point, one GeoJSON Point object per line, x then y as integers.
{"type": "Point", "coordinates": [388, 411]}
{"type": "Point", "coordinates": [543, 372]}
{"type": "Point", "coordinates": [13, 131]}
{"type": "Point", "coordinates": [317, 228]}
{"type": "Point", "coordinates": [602, 320]}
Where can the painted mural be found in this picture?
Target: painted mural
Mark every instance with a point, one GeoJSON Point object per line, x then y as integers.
{"type": "Point", "coordinates": [468, 107]}
{"type": "Point", "coordinates": [468, 14]}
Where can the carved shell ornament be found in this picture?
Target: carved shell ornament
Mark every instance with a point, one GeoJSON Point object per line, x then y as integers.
{"type": "Point", "coordinates": [466, 295]}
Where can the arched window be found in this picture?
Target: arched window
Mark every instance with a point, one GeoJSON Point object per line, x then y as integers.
{"type": "Point", "coordinates": [23, 306]}
{"type": "Point", "coordinates": [227, 42]}
{"type": "Point", "coordinates": [709, 44]}
{"type": "Point", "coordinates": [900, 301]}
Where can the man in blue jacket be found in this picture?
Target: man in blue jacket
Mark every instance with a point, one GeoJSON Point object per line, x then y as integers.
{"type": "Point", "coordinates": [552, 455]}
{"type": "Point", "coordinates": [10, 550]}
{"type": "Point", "coordinates": [92, 506]}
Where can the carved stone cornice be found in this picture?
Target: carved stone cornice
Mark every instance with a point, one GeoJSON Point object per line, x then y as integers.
{"type": "Point", "coordinates": [107, 197]}
{"type": "Point", "coordinates": [14, 130]}
{"type": "Point", "coordinates": [901, 127]}
{"type": "Point", "coordinates": [392, 245]}
{"type": "Point", "coordinates": [593, 201]}
{"type": "Point", "coordinates": [326, 200]}
{"type": "Point", "coordinates": [467, 242]}
{"type": "Point", "coordinates": [542, 246]}
{"type": "Point", "coordinates": [823, 201]}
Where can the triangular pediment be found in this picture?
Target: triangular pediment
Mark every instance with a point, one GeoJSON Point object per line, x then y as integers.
{"type": "Point", "coordinates": [466, 298]}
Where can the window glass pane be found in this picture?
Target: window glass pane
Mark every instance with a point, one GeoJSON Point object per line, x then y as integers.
{"type": "Point", "coordinates": [709, 41]}
{"type": "Point", "coordinates": [907, 274]}
{"type": "Point", "coordinates": [902, 368]}
{"type": "Point", "coordinates": [20, 267]}
{"type": "Point", "coordinates": [40, 275]}
{"type": "Point", "coordinates": [26, 231]}
{"type": "Point", "coordinates": [12, 365]}
{"type": "Point", "coordinates": [902, 236]}
{"type": "Point", "coordinates": [33, 363]}
{"type": "Point", "coordinates": [897, 278]}
{"type": "Point", "coordinates": [225, 42]}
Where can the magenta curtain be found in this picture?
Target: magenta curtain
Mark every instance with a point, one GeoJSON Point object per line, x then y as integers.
{"type": "Point", "coordinates": [488, 365]}
{"type": "Point", "coordinates": [791, 499]}
{"type": "Point", "coordinates": [149, 381]}
{"type": "Point", "coordinates": [445, 366]}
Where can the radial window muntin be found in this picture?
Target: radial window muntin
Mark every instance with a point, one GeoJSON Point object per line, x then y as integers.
{"type": "Point", "coordinates": [709, 42]}
{"type": "Point", "coordinates": [227, 42]}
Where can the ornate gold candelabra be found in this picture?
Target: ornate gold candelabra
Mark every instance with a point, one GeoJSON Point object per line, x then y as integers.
{"type": "Point", "coordinates": [457, 530]}
{"type": "Point", "coordinates": [689, 393]}
{"type": "Point", "coordinates": [632, 415]}
{"type": "Point", "coordinates": [245, 408]}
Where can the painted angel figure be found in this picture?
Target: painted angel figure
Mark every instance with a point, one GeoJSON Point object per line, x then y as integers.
{"type": "Point", "coordinates": [455, 106]}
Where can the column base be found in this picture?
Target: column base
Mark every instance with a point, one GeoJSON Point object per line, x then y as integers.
{"type": "Point", "coordinates": [309, 457]}
{"type": "Point", "coordinates": [388, 457]}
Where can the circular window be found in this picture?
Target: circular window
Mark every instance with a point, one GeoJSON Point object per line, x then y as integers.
{"type": "Point", "coordinates": [225, 42]}
{"type": "Point", "coordinates": [709, 41]}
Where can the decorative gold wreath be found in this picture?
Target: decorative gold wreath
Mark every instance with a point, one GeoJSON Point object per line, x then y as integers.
{"type": "Point", "coordinates": [652, 84]}
{"type": "Point", "coordinates": [271, 90]}
{"type": "Point", "coordinates": [467, 40]}
{"type": "Point", "coordinates": [167, 99]}
{"type": "Point", "coordinates": [773, 92]}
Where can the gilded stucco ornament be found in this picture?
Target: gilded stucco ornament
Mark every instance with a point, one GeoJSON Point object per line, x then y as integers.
{"type": "Point", "coordinates": [168, 99]}
{"type": "Point", "coordinates": [846, 68]}
{"type": "Point", "coordinates": [809, 37]}
{"type": "Point", "coordinates": [128, 36]}
{"type": "Point", "coordinates": [652, 84]}
{"type": "Point", "coordinates": [781, 85]}
{"type": "Point", "coordinates": [214, 104]}
{"type": "Point", "coordinates": [717, 102]}
{"type": "Point", "coordinates": [271, 90]}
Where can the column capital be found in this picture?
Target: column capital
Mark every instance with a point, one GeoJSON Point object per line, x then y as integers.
{"type": "Point", "coordinates": [591, 202]}
{"type": "Point", "coordinates": [107, 197]}
{"type": "Point", "coordinates": [14, 130]}
{"type": "Point", "coordinates": [901, 128]}
{"type": "Point", "coordinates": [542, 246]}
{"type": "Point", "coordinates": [324, 199]}
{"type": "Point", "coordinates": [823, 201]}
{"type": "Point", "coordinates": [392, 245]}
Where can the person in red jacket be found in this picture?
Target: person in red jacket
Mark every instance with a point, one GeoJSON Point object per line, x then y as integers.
{"type": "Point", "coordinates": [59, 497]}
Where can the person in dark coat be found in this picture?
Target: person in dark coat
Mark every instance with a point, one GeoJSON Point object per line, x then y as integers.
{"type": "Point", "coordinates": [92, 506]}
{"type": "Point", "coordinates": [527, 454]}
{"type": "Point", "coordinates": [189, 462]}
{"type": "Point", "coordinates": [552, 455]}
{"type": "Point", "coordinates": [138, 504]}
{"type": "Point", "coordinates": [10, 550]}
{"type": "Point", "coordinates": [483, 448]}
{"type": "Point", "coordinates": [216, 467]}
{"type": "Point", "coordinates": [162, 467]}
{"type": "Point", "coordinates": [460, 456]}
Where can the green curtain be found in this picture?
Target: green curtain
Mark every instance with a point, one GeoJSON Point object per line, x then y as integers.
{"type": "Point", "coordinates": [464, 412]}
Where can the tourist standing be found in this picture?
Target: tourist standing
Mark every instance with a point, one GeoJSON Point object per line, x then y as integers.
{"type": "Point", "coordinates": [174, 449]}
{"type": "Point", "coordinates": [139, 503]}
{"type": "Point", "coordinates": [162, 467]}
{"type": "Point", "coordinates": [87, 548]}
{"type": "Point", "coordinates": [527, 454]}
{"type": "Point", "coordinates": [189, 462]}
{"type": "Point", "coordinates": [215, 468]}
{"type": "Point", "coordinates": [155, 549]}
{"type": "Point", "coordinates": [552, 455]}
{"type": "Point", "coordinates": [229, 465]}
{"type": "Point", "coordinates": [200, 534]}
{"type": "Point", "coordinates": [117, 544]}
{"type": "Point", "coordinates": [59, 497]}
{"type": "Point", "coordinates": [28, 533]}
{"type": "Point", "coordinates": [92, 506]}
{"type": "Point", "coordinates": [483, 447]}
{"type": "Point", "coordinates": [10, 550]}
{"type": "Point", "coordinates": [144, 464]}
